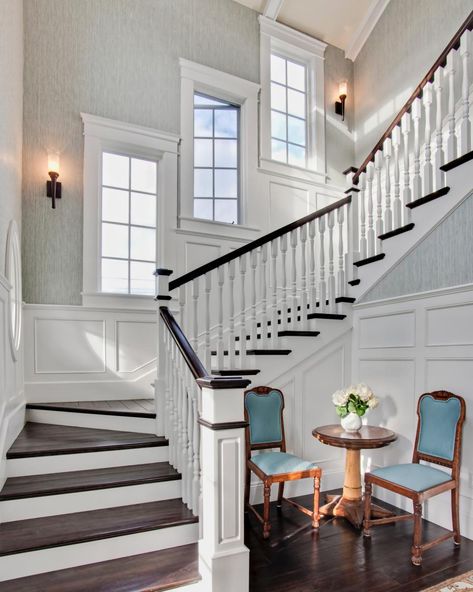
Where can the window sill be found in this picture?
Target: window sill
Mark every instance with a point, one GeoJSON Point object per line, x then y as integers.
{"type": "Point", "coordinates": [123, 301]}
{"type": "Point", "coordinates": [280, 169]}
{"type": "Point", "coordinates": [217, 229]}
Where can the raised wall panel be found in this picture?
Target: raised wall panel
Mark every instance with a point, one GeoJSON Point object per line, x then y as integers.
{"type": "Point", "coordinates": [65, 346]}
{"type": "Point", "coordinates": [198, 253]}
{"type": "Point", "coordinates": [382, 331]}
{"type": "Point", "coordinates": [449, 325]}
{"type": "Point", "coordinates": [136, 345]}
{"type": "Point", "coordinates": [228, 493]}
{"type": "Point", "coordinates": [287, 204]}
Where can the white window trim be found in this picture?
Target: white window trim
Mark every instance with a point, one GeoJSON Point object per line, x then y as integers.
{"type": "Point", "coordinates": [198, 78]}
{"type": "Point", "coordinates": [293, 44]}
{"type": "Point", "coordinates": [101, 134]}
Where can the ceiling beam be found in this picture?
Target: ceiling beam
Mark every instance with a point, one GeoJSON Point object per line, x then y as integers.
{"type": "Point", "coordinates": [272, 8]}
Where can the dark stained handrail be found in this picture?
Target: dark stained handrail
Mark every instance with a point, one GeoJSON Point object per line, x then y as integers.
{"type": "Point", "coordinates": [203, 269]}
{"type": "Point", "coordinates": [454, 44]}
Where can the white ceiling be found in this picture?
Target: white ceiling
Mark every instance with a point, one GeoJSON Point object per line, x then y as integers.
{"type": "Point", "coordinates": [343, 23]}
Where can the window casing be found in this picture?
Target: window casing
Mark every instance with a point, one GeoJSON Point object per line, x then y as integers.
{"type": "Point", "coordinates": [128, 224]}
{"type": "Point", "coordinates": [216, 159]}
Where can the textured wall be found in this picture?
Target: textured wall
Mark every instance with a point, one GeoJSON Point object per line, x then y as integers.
{"type": "Point", "coordinates": [11, 96]}
{"type": "Point", "coordinates": [443, 259]}
{"type": "Point", "coordinates": [117, 59]}
{"type": "Point", "coordinates": [406, 41]}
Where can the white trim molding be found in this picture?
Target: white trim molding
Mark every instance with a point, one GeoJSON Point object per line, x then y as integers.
{"type": "Point", "coordinates": [363, 31]}
{"type": "Point", "coordinates": [197, 77]}
{"type": "Point", "coordinates": [310, 51]}
{"type": "Point", "coordinates": [133, 140]}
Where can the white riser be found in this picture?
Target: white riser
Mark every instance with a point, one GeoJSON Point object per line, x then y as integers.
{"type": "Point", "coordinates": [17, 467]}
{"type": "Point", "coordinates": [91, 420]}
{"type": "Point", "coordinates": [45, 560]}
{"type": "Point", "coordinates": [67, 503]}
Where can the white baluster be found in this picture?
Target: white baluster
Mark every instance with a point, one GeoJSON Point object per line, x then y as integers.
{"type": "Point", "coordinates": [371, 232]}
{"type": "Point", "coordinates": [182, 305]}
{"type": "Point", "coordinates": [397, 205]}
{"type": "Point", "coordinates": [439, 157]}
{"type": "Point", "coordinates": [196, 467]}
{"type": "Point", "coordinates": [294, 313]}
{"type": "Point", "coordinates": [195, 315]}
{"type": "Point", "coordinates": [312, 277]}
{"type": "Point", "coordinates": [264, 295]}
{"type": "Point", "coordinates": [465, 125]}
{"type": "Point", "coordinates": [416, 180]}
{"type": "Point", "coordinates": [388, 215]}
{"type": "Point", "coordinates": [220, 344]}
{"type": "Point", "coordinates": [427, 172]}
{"type": "Point", "coordinates": [406, 191]}
{"type": "Point", "coordinates": [451, 137]}
{"type": "Point", "coordinates": [363, 245]}
{"type": "Point", "coordinates": [378, 164]}
{"type": "Point", "coordinates": [242, 332]}
{"type": "Point", "coordinates": [254, 265]}
{"type": "Point", "coordinates": [208, 290]}
{"type": "Point", "coordinates": [283, 316]}
{"type": "Point", "coordinates": [191, 426]}
{"type": "Point", "coordinates": [331, 266]}
{"type": "Point", "coordinates": [322, 285]}
{"type": "Point", "coordinates": [341, 287]}
{"type": "Point", "coordinates": [185, 432]}
{"type": "Point", "coordinates": [231, 313]}
{"type": "Point", "coordinates": [274, 286]}
{"type": "Point", "coordinates": [304, 295]}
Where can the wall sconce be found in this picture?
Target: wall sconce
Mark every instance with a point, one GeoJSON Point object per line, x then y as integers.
{"type": "Point", "coordinates": [340, 105]}
{"type": "Point", "coordinates": [53, 187]}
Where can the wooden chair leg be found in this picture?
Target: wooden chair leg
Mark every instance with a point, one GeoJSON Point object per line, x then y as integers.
{"type": "Point", "coordinates": [266, 523]}
{"type": "Point", "coordinates": [280, 493]}
{"type": "Point", "coordinates": [247, 488]}
{"type": "Point", "coordinates": [367, 509]}
{"type": "Point", "coordinates": [315, 511]}
{"type": "Point", "coordinates": [455, 516]}
{"type": "Point", "coordinates": [416, 550]}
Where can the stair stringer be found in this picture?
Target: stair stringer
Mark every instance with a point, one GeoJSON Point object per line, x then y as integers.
{"type": "Point", "coordinates": [426, 218]}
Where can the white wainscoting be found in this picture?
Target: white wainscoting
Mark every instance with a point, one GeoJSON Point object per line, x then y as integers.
{"type": "Point", "coordinates": [407, 346]}
{"type": "Point", "coordinates": [75, 353]}
{"type": "Point", "coordinates": [12, 404]}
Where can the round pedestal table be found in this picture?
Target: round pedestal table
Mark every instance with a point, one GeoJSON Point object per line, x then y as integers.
{"type": "Point", "coordinates": [349, 505]}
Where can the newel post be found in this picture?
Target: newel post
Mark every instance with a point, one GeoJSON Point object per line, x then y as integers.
{"type": "Point", "coordinates": [353, 225]}
{"type": "Point", "coordinates": [162, 298]}
{"type": "Point", "coordinates": [223, 557]}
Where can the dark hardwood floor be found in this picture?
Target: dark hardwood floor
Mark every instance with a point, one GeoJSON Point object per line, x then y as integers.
{"type": "Point", "coordinates": [338, 559]}
{"type": "Point", "coordinates": [126, 408]}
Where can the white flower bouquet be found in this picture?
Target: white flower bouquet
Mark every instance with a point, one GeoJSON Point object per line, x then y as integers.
{"type": "Point", "coordinates": [354, 399]}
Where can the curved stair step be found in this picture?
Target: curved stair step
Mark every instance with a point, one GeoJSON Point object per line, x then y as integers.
{"type": "Point", "coordinates": [298, 333]}
{"type": "Point", "coordinates": [237, 372]}
{"type": "Point", "coordinates": [143, 408]}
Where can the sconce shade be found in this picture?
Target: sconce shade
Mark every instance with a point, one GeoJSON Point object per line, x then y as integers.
{"type": "Point", "coordinates": [53, 187]}
{"type": "Point", "coordinates": [53, 162]}
{"type": "Point", "coordinates": [343, 89]}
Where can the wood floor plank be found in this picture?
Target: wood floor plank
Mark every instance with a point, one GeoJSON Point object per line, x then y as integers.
{"type": "Point", "coordinates": [89, 480]}
{"type": "Point", "coordinates": [67, 529]}
{"type": "Point", "coordinates": [149, 572]}
{"type": "Point", "coordinates": [125, 408]}
{"type": "Point", "coordinates": [41, 439]}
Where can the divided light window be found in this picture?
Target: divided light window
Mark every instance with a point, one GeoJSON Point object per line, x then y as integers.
{"type": "Point", "coordinates": [288, 111]}
{"type": "Point", "coordinates": [216, 159]}
{"type": "Point", "coordinates": [128, 224]}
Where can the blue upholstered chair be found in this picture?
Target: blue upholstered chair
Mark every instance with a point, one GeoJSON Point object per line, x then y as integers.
{"type": "Point", "coordinates": [438, 441]}
{"type": "Point", "coordinates": [264, 408]}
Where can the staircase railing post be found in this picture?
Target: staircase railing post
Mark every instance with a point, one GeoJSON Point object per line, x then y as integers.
{"type": "Point", "coordinates": [162, 297]}
{"type": "Point", "coordinates": [353, 228]}
{"type": "Point", "coordinates": [223, 557]}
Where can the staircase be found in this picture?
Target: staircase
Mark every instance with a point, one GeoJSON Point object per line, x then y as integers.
{"type": "Point", "coordinates": [95, 500]}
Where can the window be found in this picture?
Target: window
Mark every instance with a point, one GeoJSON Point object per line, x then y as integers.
{"type": "Point", "coordinates": [216, 159]}
{"type": "Point", "coordinates": [288, 111]}
{"type": "Point", "coordinates": [128, 224]}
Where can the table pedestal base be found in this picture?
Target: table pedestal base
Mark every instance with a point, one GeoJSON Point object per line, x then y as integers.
{"type": "Point", "coordinates": [351, 509]}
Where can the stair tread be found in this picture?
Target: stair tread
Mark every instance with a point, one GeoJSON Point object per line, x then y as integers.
{"type": "Point", "coordinates": [237, 372]}
{"type": "Point", "coordinates": [326, 315]}
{"type": "Point", "coordinates": [67, 529]}
{"type": "Point", "coordinates": [155, 571]}
{"type": "Point", "coordinates": [87, 480]}
{"type": "Point", "coordinates": [457, 161]}
{"type": "Point", "coordinates": [268, 352]}
{"type": "Point", "coordinates": [354, 282]}
{"type": "Point", "coordinates": [397, 231]}
{"type": "Point", "coordinates": [427, 198]}
{"type": "Point", "coordinates": [125, 407]}
{"type": "Point", "coordinates": [41, 439]}
{"type": "Point", "coordinates": [291, 333]}
{"type": "Point", "coordinates": [369, 260]}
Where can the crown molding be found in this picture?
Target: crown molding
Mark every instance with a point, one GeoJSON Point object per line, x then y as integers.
{"type": "Point", "coordinates": [292, 37]}
{"type": "Point", "coordinates": [364, 29]}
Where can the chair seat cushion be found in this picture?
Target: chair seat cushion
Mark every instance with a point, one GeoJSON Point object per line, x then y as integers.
{"type": "Point", "coordinates": [275, 463]}
{"type": "Point", "coordinates": [413, 476]}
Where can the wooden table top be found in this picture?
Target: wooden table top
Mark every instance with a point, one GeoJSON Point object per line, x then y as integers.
{"type": "Point", "coordinates": [366, 437]}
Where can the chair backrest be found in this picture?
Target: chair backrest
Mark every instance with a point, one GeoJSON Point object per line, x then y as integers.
{"type": "Point", "coordinates": [439, 429]}
{"type": "Point", "coordinates": [264, 407]}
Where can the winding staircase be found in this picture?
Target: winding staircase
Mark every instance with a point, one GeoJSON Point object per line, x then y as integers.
{"type": "Point", "coordinates": [111, 495]}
